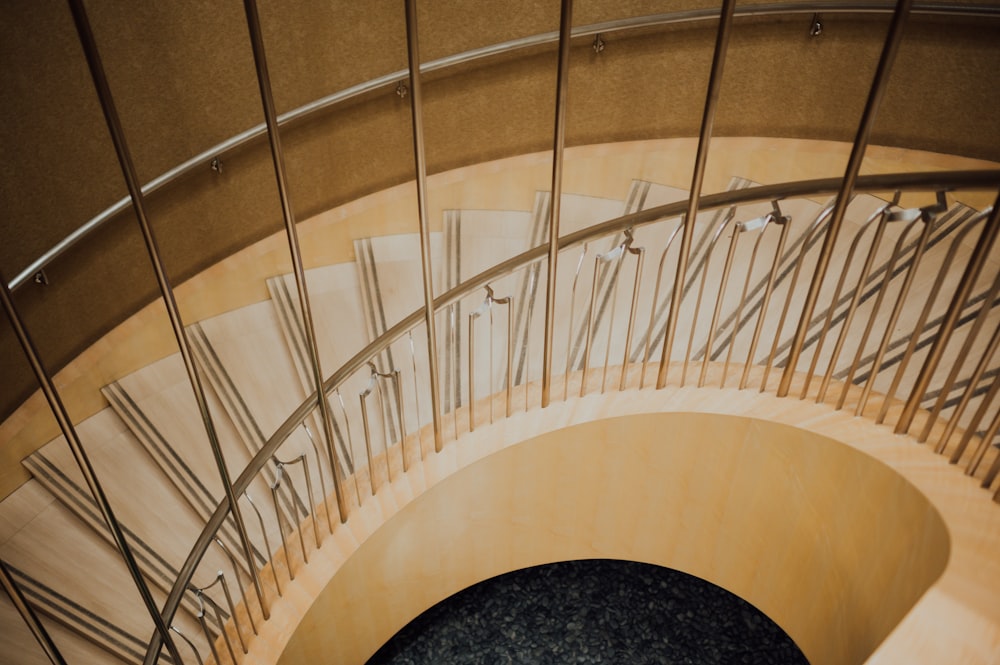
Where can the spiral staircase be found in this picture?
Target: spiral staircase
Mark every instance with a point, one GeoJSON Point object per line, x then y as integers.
{"type": "Point", "coordinates": [741, 283]}
{"type": "Point", "coordinates": [781, 311]}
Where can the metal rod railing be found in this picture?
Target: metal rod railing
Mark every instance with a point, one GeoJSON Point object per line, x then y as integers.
{"type": "Point", "coordinates": [956, 365]}
{"type": "Point", "coordinates": [86, 468]}
{"type": "Point", "coordinates": [930, 299]}
{"type": "Point", "coordinates": [897, 309]}
{"type": "Point", "coordinates": [880, 218]}
{"type": "Point", "coordinates": [881, 80]}
{"type": "Point", "coordinates": [934, 181]}
{"type": "Point", "coordinates": [388, 81]}
{"type": "Point", "coordinates": [166, 290]}
{"type": "Point", "coordinates": [420, 159]}
{"type": "Point", "coordinates": [882, 291]}
{"type": "Point", "coordinates": [288, 214]}
{"type": "Point", "coordinates": [28, 614]}
{"type": "Point", "coordinates": [694, 194]}
{"type": "Point", "coordinates": [558, 144]}
{"type": "Point", "coordinates": [973, 267]}
{"type": "Point", "coordinates": [640, 256]}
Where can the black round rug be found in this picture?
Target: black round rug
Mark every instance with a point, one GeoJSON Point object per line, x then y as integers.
{"type": "Point", "coordinates": [591, 611]}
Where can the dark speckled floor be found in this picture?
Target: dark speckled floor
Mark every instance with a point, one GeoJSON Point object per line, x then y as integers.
{"type": "Point", "coordinates": [594, 611]}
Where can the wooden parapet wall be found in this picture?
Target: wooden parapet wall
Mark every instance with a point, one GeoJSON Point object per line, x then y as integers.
{"type": "Point", "coordinates": [832, 526]}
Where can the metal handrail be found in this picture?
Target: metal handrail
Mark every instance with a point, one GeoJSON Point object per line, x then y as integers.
{"type": "Point", "coordinates": [905, 182]}
{"type": "Point", "coordinates": [388, 81]}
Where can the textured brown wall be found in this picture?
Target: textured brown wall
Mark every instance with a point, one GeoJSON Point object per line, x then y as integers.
{"type": "Point", "coordinates": [182, 74]}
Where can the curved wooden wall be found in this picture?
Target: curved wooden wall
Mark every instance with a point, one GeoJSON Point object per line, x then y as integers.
{"type": "Point", "coordinates": [756, 494]}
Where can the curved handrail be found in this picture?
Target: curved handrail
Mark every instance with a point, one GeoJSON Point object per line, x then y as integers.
{"type": "Point", "coordinates": [927, 181]}
{"type": "Point", "coordinates": [387, 80]}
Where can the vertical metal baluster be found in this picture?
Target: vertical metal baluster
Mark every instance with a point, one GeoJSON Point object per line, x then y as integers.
{"type": "Point", "coordinates": [312, 504]}
{"type": "Point", "coordinates": [590, 323]}
{"type": "Point", "coordinates": [510, 355]}
{"type": "Point", "coordinates": [135, 192]}
{"type": "Point", "coordinates": [701, 157]}
{"type": "Point", "coordinates": [569, 336]}
{"type": "Point", "coordinates": [613, 285]}
{"type": "Point", "coordinates": [870, 323]}
{"type": "Point", "coordinates": [879, 84]}
{"type": "Point", "coordinates": [508, 302]}
{"type": "Point", "coordinates": [701, 292]}
{"type": "Point", "coordinates": [220, 621]}
{"type": "Point", "coordinates": [386, 418]}
{"type": "Point", "coordinates": [959, 361]}
{"type": "Point", "coordinates": [984, 443]}
{"type": "Point", "coordinates": [25, 610]}
{"type": "Point", "coordinates": [322, 484]}
{"type": "Point", "coordinates": [239, 584]}
{"type": "Point", "coordinates": [926, 312]}
{"type": "Point", "coordinates": [882, 216]}
{"type": "Point", "coordinates": [640, 254]}
{"type": "Point", "coordinates": [453, 317]}
{"type": "Point", "coordinates": [364, 421]}
{"type": "Point", "coordinates": [232, 614]}
{"type": "Point", "coordinates": [766, 221]}
{"type": "Point", "coordinates": [416, 403]}
{"type": "Point", "coordinates": [897, 309]}
{"type": "Point", "coordinates": [652, 307]}
{"type": "Point", "coordinates": [197, 654]}
{"type": "Point", "coordinates": [727, 267]}
{"type": "Point", "coordinates": [558, 142]}
{"type": "Point", "coordinates": [420, 164]}
{"type": "Point", "coordinates": [298, 269]}
{"type": "Point", "coordinates": [473, 315]}
{"type": "Point", "coordinates": [279, 475]}
{"type": "Point", "coordinates": [350, 442]}
{"type": "Point", "coordinates": [204, 628]}
{"type": "Point", "coordinates": [267, 543]}
{"type": "Point", "coordinates": [785, 223]}
{"type": "Point", "coordinates": [492, 383]}
{"type": "Point", "coordinates": [472, 370]}
{"type": "Point", "coordinates": [800, 260]}
{"type": "Point", "coordinates": [972, 269]}
{"type": "Point", "coordinates": [529, 310]}
{"type": "Point", "coordinates": [397, 381]}
{"type": "Point", "coordinates": [308, 511]}
{"type": "Point", "coordinates": [966, 398]}
{"type": "Point", "coordinates": [970, 432]}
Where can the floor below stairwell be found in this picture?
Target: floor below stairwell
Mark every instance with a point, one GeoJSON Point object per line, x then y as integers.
{"type": "Point", "coordinates": [591, 611]}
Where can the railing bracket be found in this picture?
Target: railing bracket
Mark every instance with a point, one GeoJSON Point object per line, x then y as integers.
{"type": "Point", "coordinates": [816, 27]}
{"type": "Point", "coordinates": [216, 165]}
{"type": "Point", "coordinates": [598, 44]}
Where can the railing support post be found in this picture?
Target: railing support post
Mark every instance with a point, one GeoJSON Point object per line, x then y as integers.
{"type": "Point", "coordinates": [420, 159]}
{"type": "Point", "coordinates": [173, 312]}
{"type": "Point", "coordinates": [704, 138]}
{"type": "Point", "coordinates": [875, 94]}
{"type": "Point", "coordinates": [558, 145]}
{"type": "Point", "coordinates": [972, 270]}
{"type": "Point", "coordinates": [28, 614]}
{"type": "Point", "coordinates": [288, 214]}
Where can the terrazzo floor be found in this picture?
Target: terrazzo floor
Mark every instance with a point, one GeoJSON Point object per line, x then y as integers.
{"type": "Point", "coordinates": [591, 611]}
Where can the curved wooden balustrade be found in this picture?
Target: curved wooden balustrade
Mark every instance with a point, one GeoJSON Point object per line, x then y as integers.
{"type": "Point", "coordinates": [742, 295]}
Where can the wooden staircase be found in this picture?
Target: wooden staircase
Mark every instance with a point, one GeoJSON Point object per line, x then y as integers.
{"type": "Point", "coordinates": [150, 451]}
